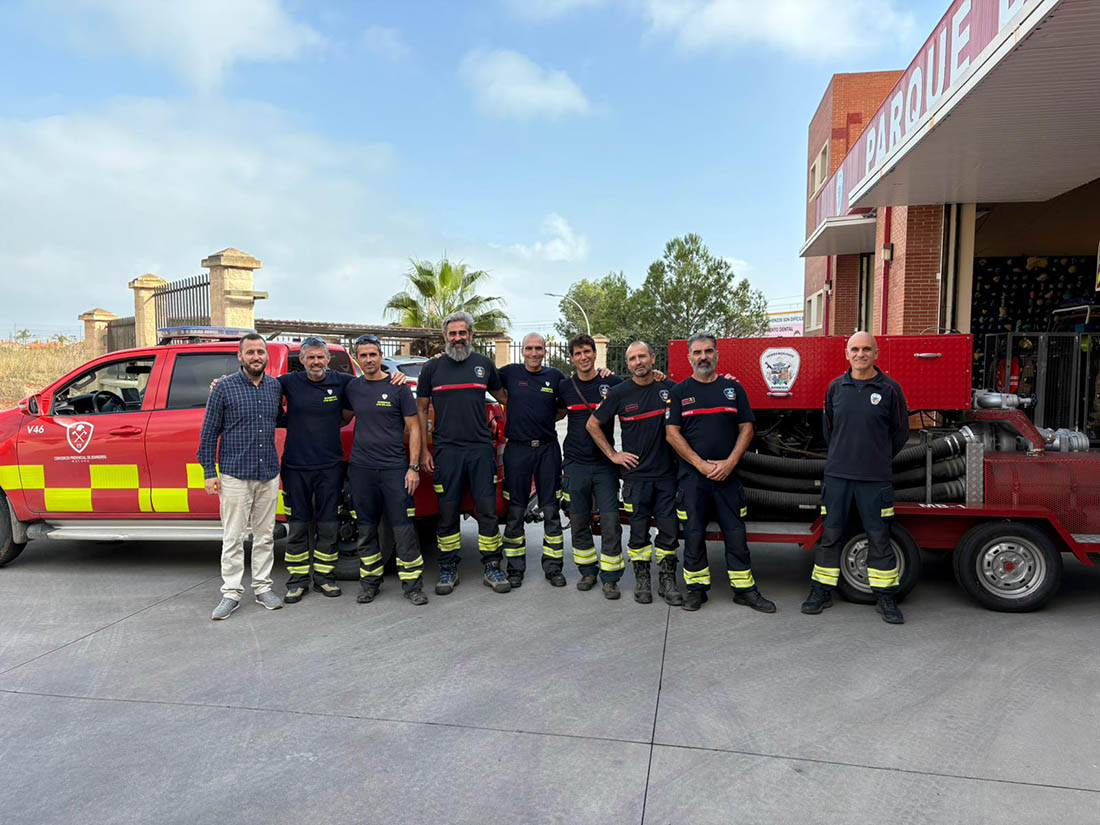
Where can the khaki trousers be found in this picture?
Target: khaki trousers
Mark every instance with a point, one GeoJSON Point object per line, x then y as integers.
{"type": "Point", "coordinates": [247, 506]}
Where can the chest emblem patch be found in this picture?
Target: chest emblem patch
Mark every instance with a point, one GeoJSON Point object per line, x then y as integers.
{"type": "Point", "coordinates": [384, 396]}
{"type": "Point", "coordinates": [330, 392]}
{"type": "Point", "coordinates": [604, 390]}
{"type": "Point", "coordinates": [730, 393]}
{"type": "Point", "coordinates": [630, 408]}
{"type": "Point", "coordinates": [664, 395]}
{"type": "Point", "coordinates": [687, 401]}
{"type": "Point", "coordinates": [779, 367]}
{"type": "Point", "coordinates": [479, 372]}
{"type": "Point", "coordinates": [875, 398]}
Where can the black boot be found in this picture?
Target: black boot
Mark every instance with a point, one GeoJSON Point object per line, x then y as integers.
{"type": "Point", "coordinates": [587, 582]}
{"type": "Point", "coordinates": [611, 591]}
{"type": "Point", "coordinates": [666, 582]}
{"type": "Point", "coordinates": [889, 609]}
{"type": "Point", "coordinates": [515, 578]}
{"type": "Point", "coordinates": [643, 585]}
{"type": "Point", "coordinates": [556, 578]}
{"type": "Point", "coordinates": [368, 594]}
{"type": "Point", "coordinates": [820, 597]}
{"type": "Point", "coordinates": [694, 600]}
{"type": "Point", "coordinates": [754, 600]}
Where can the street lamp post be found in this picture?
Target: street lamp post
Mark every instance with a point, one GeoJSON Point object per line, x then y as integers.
{"type": "Point", "coordinates": [587, 325]}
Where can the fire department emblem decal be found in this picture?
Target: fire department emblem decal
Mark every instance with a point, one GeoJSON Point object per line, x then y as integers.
{"type": "Point", "coordinates": [479, 372]}
{"type": "Point", "coordinates": [779, 366]}
{"type": "Point", "coordinates": [875, 398]}
{"type": "Point", "coordinates": [330, 392]}
{"type": "Point", "coordinates": [604, 389]}
{"type": "Point", "coordinates": [385, 396]}
{"type": "Point", "coordinates": [730, 393]}
{"type": "Point", "coordinates": [78, 434]}
{"type": "Point", "coordinates": [664, 395]}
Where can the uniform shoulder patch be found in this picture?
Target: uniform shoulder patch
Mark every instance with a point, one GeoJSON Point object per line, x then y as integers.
{"type": "Point", "coordinates": [479, 371]}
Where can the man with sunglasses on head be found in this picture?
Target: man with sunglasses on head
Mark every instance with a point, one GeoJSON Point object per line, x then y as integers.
{"type": "Point", "coordinates": [463, 456]}
{"type": "Point", "coordinates": [382, 480]}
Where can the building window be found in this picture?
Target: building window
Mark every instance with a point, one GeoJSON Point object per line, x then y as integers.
{"type": "Point", "coordinates": [815, 310]}
{"type": "Point", "coordinates": [819, 170]}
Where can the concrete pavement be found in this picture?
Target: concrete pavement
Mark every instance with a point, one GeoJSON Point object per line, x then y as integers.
{"type": "Point", "coordinates": [121, 702]}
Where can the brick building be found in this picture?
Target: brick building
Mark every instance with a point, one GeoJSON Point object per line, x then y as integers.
{"type": "Point", "coordinates": [963, 192]}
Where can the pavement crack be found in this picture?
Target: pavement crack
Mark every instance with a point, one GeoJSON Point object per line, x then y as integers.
{"type": "Point", "coordinates": [656, 710]}
{"type": "Point", "coordinates": [109, 624]}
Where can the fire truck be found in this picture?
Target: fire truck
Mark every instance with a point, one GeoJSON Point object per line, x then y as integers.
{"type": "Point", "coordinates": [978, 481]}
{"type": "Point", "coordinates": [107, 452]}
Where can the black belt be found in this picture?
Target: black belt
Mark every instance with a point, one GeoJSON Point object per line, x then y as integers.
{"type": "Point", "coordinates": [535, 443]}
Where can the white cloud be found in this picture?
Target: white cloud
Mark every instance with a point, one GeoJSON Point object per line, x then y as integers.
{"type": "Point", "coordinates": [806, 28]}
{"type": "Point", "coordinates": [385, 42]}
{"type": "Point", "coordinates": [564, 244]}
{"type": "Point", "coordinates": [549, 9]}
{"type": "Point", "coordinates": [508, 84]}
{"type": "Point", "coordinates": [199, 39]}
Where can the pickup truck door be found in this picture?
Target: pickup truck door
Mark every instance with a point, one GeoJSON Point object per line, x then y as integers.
{"type": "Point", "coordinates": [84, 453]}
{"type": "Point", "coordinates": [174, 427]}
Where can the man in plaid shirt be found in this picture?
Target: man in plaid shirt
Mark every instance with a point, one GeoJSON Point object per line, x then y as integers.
{"type": "Point", "coordinates": [238, 432]}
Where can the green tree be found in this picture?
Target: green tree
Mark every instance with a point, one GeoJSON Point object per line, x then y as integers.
{"type": "Point", "coordinates": [609, 304]}
{"type": "Point", "coordinates": [689, 289]}
{"type": "Point", "coordinates": [436, 290]}
{"type": "Point", "coordinates": [23, 335]}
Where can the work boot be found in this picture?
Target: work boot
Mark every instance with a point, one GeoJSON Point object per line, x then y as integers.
{"type": "Point", "coordinates": [416, 596]}
{"type": "Point", "coordinates": [820, 597]}
{"type": "Point", "coordinates": [370, 591]}
{"type": "Point", "coordinates": [448, 580]}
{"type": "Point", "coordinates": [295, 593]}
{"type": "Point", "coordinates": [586, 582]}
{"type": "Point", "coordinates": [494, 577]}
{"type": "Point", "coordinates": [694, 600]}
{"type": "Point", "coordinates": [611, 590]}
{"type": "Point", "coordinates": [515, 578]}
{"type": "Point", "coordinates": [328, 589]}
{"type": "Point", "coordinates": [889, 609]}
{"type": "Point", "coordinates": [754, 600]}
{"type": "Point", "coordinates": [666, 583]}
{"type": "Point", "coordinates": [556, 578]}
{"type": "Point", "coordinates": [643, 585]}
{"type": "Point", "coordinates": [227, 605]}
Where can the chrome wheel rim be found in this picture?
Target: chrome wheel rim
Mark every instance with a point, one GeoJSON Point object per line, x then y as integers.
{"type": "Point", "coordinates": [1011, 568]}
{"type": "Point", "coordinates": [853, 563]}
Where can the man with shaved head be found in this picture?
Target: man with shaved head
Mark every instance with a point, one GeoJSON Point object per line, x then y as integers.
{"type": "Point", "coordinates": [532, 452]}
{"type": "Point", "coordinates": [866, 423]}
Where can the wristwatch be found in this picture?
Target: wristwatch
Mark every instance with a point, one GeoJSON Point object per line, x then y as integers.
{"type": "Point", "coordinates": [415, 468]}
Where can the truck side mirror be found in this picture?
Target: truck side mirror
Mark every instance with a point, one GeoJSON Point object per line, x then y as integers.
{"type": "Point", "coordinates": [29, 405]}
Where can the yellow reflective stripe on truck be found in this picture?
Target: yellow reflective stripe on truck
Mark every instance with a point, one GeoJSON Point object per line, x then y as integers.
{"type": "Point", "coordinates": [22, 477]}
{"type": "Point", "coordinates": [113, 476]}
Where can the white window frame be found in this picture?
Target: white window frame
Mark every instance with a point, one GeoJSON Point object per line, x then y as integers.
{"type": "Point", "coordinates": [819, 171]}
{"type": "Point", "coordinates": [814, 317]}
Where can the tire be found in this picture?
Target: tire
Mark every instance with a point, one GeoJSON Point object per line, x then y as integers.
{"type": "Point", "coordinates": [347, 566]}
{"type": "Point", "coordinates": [8, 548]}
{"type": "Point", "coordinates": [1008, 566]}
{"type": "Point", "coordinates": [853, 584]}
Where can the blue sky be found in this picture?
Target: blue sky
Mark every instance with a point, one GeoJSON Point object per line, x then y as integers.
{"type": "Point", "coordinates": [542, 140]}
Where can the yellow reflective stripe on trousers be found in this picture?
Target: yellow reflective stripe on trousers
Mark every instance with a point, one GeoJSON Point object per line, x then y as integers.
{"type": "Point", "coordinates": [565, 496]}
{"type": "Point", "coordinates": [417, 562]}
{"type": "Point", "coordinates": [741, 579]}
{"type": "Point", "coordinates": [887, 512]}
{"type": "Point", "coordinates": [640, 553]}
{"type": "Point", "coordinates": [298, 569]}
{"type": "Point", "coordinates": [825, 575]}
{"type": "Point", "coordinates": [408, 575]}
{"type": "Point", "coordinates": [553, 552]}
{"type": "Point", "coordinates": [664, 554]}
{"type": "Point", "coordinates": [438, 488]}
{"type": "Point", "coordinates": [374, 571]}
{"type": "Point", "coordinates": [628, 506]}
{"type": "Point", "coordinates": [488, 544]}
{"type": "Point", "coordinates": [824, 510]}
{"type": "Point", "coordinates": [582, 556]}
{"type": "Point", "coordinates": [317, 554]}
{"type": "Point", "coordinates": [697, 576]}
{"type": "Point", "coordinates": [323, 568]}
{"type": "Point", "coordinates": [611, 563]}
{"type": "Point", "coordinates": [682, 515]}
{"type": "Point", "coordinates": [373, 558]}
{"type": "Point", "coordinates": [450, 543]}
{"type": "Point", "coordinates": [410, 512]}
{"type": "Point", "coordinates": [883, 578]}
{"type": "Point", "coordinates": [295, 557]}
{"type": "Point", "coordinates": [744, 511]}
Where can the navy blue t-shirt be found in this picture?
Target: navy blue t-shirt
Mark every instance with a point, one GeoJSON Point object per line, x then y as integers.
{"type": "Point", "coordinates": [533, 402]}
{"type": "Point", "coordinates": [709, 416]}
{"type": "Point", "coordinates": [380, 411]}
{"type": "Point", "coordinates": [866, 423]}
{"type": "Point", "coordinates": [579, 445]}
{"type": "Point", "coordinates": [314, 415]}
{"type": "Point", "coordinates": [641, 411]}
{"type": "Point", "coordinates": [457, 392]}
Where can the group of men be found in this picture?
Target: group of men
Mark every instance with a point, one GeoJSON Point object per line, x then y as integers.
{"type": "Point", "coordinates": [681, 444]}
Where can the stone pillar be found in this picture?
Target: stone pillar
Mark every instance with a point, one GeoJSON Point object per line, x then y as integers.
{"type": "Point", "coordinates": [232, 299]}
{"type": "Point", "coordinates": [503, 350]}
{"type": "Point", "coordinates": [405, 347]}
{"type": "Point", "coordinates": [145, 315]}
{"type": "Point", "coordinates": [95, 331]}
{"type": "Point", "coordinates": [601, 350]}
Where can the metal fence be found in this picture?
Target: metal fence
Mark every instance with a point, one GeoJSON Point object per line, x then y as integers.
{"type": "Point", "coordinates": [616, 357]}
{"type": "Point", "coordinates": [1061, 370]}
{"type": "Point", "coordinates": [557, 355]}
{"type": "Point", "coordinates": [183, 303]}
{"type": "Point", "coordinates": [121, 334]}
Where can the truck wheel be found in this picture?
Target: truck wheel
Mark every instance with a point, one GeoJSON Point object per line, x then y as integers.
{"type": "Point", "coordinates": [8, 548]}
{"type": "Point", "coordinates": [853, 584]}
{"type": "Point", "coordinates": [1008, 566]}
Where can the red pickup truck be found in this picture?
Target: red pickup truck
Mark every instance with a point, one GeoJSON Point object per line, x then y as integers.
{"type": "Point", "coordinates": [107, 452]}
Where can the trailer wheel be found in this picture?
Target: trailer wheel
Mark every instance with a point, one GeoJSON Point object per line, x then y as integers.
{"type": "Point", "coordinates": [8, 548]}
{"type": "Point", "coordinates": [347, 566]}
{"type": "Point", "coordinates": [853, 584]}
{"type": "Point", "coordinates": [1008, 566]}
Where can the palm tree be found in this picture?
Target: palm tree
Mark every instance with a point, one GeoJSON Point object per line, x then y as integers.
{"type": "Point", "coordinates": [437, 290]}
{"type": "Point", "coordinates": [23, 336]}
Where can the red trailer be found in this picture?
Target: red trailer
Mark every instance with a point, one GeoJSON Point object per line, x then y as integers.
{"type": "Point", "coordinates": [1003, 497]}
